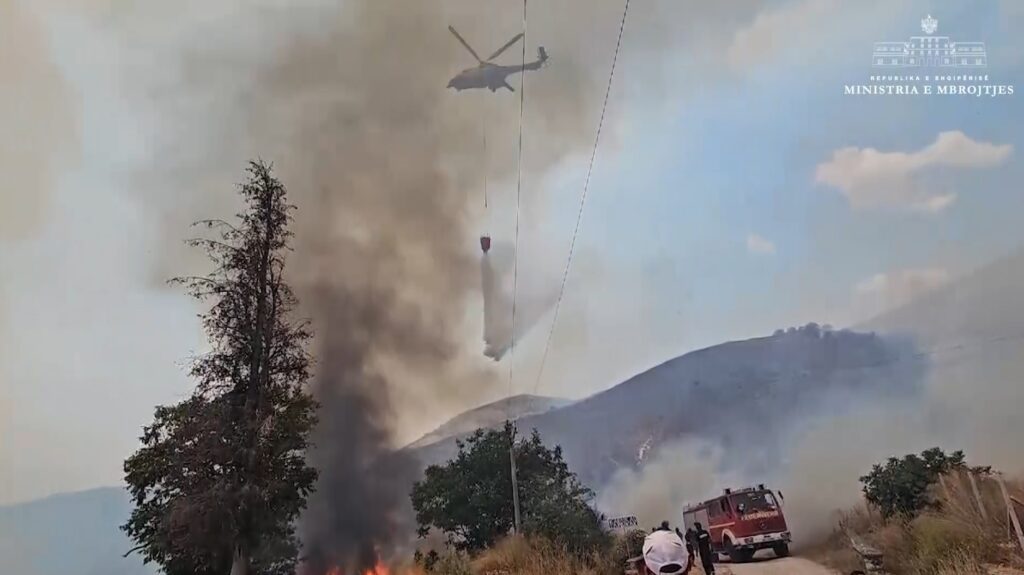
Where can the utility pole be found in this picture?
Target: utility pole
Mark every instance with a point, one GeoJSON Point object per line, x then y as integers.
{"type": "Point", "coordinates": [515, 281]}
{"type": "Point", "coordinates": [515, 483]}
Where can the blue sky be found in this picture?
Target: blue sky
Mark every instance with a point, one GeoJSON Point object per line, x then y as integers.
{"type": "Point", "coordinates": [731, 154]}
{"type": "Point", "coordinates": [705, 147]}
{"type": "Point", "coordinates": [741, 159]}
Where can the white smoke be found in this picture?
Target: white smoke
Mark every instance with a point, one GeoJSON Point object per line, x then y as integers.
{"type": "Point", "coordinates": [531, 301]}
{"type": "Point", "coordinates": [680, 472]}
{"type": "Point", "coordinates": [970, 335]}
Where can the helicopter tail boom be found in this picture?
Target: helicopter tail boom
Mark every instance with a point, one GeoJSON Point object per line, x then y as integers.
{"type": "Point", "coordinates": [542, 58]}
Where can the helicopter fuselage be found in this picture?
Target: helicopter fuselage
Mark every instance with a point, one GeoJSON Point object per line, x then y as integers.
{"type": "Point", "coordinates": [491, 76]}
{"type": "Point", "coordinates": [486, 75]}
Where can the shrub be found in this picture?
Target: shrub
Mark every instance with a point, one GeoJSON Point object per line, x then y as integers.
{"type": "Point", "coordinates": [627, 546]}
{"type": "Point", "coordinates": [469, 498]}
{"type": "Point", "coordinates": [950, 536]}
{"type": "Point", "coordinates": [900, 486]}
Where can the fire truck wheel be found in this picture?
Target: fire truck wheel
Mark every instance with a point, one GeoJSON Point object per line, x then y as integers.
{"type": "Point", "coordinates": [736, 555]}
{"type": "Point", "coordinates": [781, 550]}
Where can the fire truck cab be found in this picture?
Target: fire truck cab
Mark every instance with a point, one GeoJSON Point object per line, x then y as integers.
{"type": "Point", "coordinates": [741, 522]}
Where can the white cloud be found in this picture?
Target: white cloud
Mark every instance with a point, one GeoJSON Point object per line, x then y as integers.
{"type": "Point", "coordinates": [870, 178]}
{"type": "Point", "coordinates": [759, 245]}
{"type": "Point", "coordinates": [776, 30]}
{"type": "Point", "coordinates": [893, 289]}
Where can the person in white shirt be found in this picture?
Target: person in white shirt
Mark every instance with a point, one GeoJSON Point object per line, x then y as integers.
{"type": "Point", "coordinates": [665, 554]}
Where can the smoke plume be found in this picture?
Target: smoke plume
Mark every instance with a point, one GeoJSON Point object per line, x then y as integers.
{"type": "Point", "coordinates": [38, 119]}
{"type": "Point", "coordinates": [680, 472]}
{"type": "Point", "coordinates": [969, 340]}
{"type": "Point", "coordinates": [356, 513]}
{"type": "Point", "coordinates": [348, 101]}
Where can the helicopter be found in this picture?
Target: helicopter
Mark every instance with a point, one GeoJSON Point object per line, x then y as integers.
{"type": "Point", "coordinates": [489, 75]}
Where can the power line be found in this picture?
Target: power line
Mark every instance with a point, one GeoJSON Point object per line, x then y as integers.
{"type": "Point", "coordinates": [583, 200]}
{"type": "Point", "coordinates": [518, 195]}
{"type": "Point", "coordinates": [515, 282]}
{"type": "Point", "coordinates": [486, 158]}
{"type": "Point", "coordinates": [519, 192]}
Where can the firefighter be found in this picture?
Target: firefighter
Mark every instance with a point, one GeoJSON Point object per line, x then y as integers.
{"type": "Point", "coordinates": [707, 556]}
{"type": "Point", "coordinates": [690, 537]}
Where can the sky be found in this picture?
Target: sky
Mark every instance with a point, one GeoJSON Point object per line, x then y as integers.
{"type": "Point", "coordinates": [736, 190]}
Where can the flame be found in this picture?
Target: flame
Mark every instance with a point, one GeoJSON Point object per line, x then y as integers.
{"type": "Point", "coordinates": [379, 569]}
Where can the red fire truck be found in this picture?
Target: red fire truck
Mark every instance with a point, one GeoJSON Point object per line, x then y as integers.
{"type": "Point", "coordinates": [741, 522]}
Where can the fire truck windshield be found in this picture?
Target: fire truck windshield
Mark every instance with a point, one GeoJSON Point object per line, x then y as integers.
{"type": "Point", "coordinates": [754, 502]}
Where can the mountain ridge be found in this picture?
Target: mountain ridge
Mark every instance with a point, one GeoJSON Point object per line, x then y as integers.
{"type": "Point", "coordinates": [490, 415]}
{"type": "Point", "coordinates": [739, 394]}
{"type": "Point", "coordinates": [767, 377]}
{"type": "Point", "coordinates": [82, 525]}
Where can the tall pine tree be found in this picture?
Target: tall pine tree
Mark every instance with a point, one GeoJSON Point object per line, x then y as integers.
{"type": "Point", "coordinates": [221, 477]}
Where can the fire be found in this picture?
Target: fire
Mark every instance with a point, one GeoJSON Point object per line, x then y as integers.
{"type": "Point", "coordinates": [379, 569]}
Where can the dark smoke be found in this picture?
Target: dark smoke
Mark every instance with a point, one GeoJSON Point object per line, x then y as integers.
{"type": "Point", "coordinates": [354, 515]}
{"type": "Point", "coordinates": [385, 254]}
{"type": "Point", "coordinates": [383, 243]}
{"type": "Point", "coordinates": [348, 101]}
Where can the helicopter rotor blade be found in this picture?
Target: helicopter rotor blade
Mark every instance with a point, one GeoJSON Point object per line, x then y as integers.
{"type": "Point", "coordinates": [506, 46]}
{"type": "Point", "coordinates": [464, 43]}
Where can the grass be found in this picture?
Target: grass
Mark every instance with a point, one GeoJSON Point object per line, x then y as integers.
{"type": "Point", "coordinates": [519, 555]}
{"type": "Point", "coordinates": [960, 563]}
{"type": "Point", "coordinates": [536, 556]}
{"type": "Point", "coordinates": [953, 537]}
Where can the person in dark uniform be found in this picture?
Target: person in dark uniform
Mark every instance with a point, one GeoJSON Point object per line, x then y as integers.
{"type": "Point", "coordinates": [707, 556]}
{"type": "Point", "coordinates": [663, 527]}
{"type": "Point", "coordinates": [690, 538]}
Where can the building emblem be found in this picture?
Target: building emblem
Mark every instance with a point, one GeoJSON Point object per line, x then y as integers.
{"type": "Point", "coordinates": [929, 25]}
{"type": "Point", "coordinates": [928, 63]}
{"type": "Point", "coordinates": [929, 51]}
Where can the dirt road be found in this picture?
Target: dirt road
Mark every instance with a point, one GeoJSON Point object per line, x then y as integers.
{"type": "Point", "coordinates": [788, 566]}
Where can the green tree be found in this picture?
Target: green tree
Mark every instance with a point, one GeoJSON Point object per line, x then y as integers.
{"type": "Point", "coordinates": [470, 497]}
{"type": "Point", "coordinates": [900, 485]}
{"type": "Point", "coordinates": [221, 477]}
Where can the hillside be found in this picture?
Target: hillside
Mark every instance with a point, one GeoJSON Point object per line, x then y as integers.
{"type": "Point", "coordinates": [741, 394]}
{"type": "Point", "coordinates": [983, 306]}
{"type": "Point", "coordinates": [490, 415]}
{"type": "Point", "coordinates": [972, 333]}
{"type": "Point", "coordinates": [957, 351]}
{"type": "Point", "coordinates": [960, 348]}
{"type": "Point", "coordinates": [69, 533]}
{"type": "Point", "coordinates": [757, 385]}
